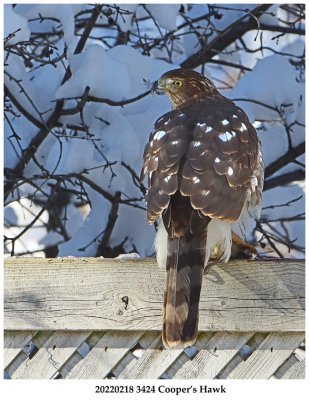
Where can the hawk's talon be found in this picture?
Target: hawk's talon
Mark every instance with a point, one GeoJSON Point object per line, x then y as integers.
{"type": "Point", "coordinates": [241, 249]}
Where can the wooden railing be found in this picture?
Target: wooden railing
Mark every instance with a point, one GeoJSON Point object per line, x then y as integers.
{"type": "Point", "coordinates": [72, 299]}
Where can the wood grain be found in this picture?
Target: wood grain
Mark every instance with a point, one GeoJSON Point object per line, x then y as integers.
{"type": "Point", "coordinates": [104, 355]}
{"type": "Point", "coordinates": [95, 294]}
{"type": "Point", "coordinates": [213, 357]}
{"type": "Point", "coordinates": [297, 371]}
{"type": "Point", "coordinates": [152, 364]}
{"type": "Point", "coordinates": [268, 357]}
{"type": "Point", "coordinates": [13, 344]}
{"type": "Point", "coordinates": [49, 358]}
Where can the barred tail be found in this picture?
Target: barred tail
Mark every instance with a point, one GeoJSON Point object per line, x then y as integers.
{"type": "Point", "coordinates": [184, 272]}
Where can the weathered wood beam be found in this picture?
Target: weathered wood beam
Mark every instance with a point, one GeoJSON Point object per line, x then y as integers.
{"type": "Point", "coordinates": [95, 294]}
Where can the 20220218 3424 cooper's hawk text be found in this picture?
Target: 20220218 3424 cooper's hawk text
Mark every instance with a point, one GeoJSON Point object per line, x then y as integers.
{"type": "Point", "coordinates": [205, 177]}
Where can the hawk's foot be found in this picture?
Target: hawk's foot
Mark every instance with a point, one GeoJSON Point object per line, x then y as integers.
{"type": "Point", "coordinates": [241, 249]}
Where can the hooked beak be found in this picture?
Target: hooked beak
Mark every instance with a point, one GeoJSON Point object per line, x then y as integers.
{"type": "Point", "coordinates": [157, 87]}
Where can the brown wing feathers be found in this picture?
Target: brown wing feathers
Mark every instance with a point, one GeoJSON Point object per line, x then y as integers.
{"type": "Point", "coordinates": [199, 160]}
{"type": "Point", "coordinates": [217, 159]}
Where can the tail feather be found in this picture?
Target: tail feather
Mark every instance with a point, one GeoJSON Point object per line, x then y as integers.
{"type": "Point", "coordinates": [183, 283]}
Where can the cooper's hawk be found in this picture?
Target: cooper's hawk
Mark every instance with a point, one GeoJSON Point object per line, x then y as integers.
{"type": "Point", "coordinates": [205, 175]}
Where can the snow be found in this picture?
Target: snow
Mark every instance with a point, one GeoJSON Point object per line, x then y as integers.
{"type": "Point", "coordinates": [128, 256]}
{"type": "Point", "coordinates": [14, 22]}
{"type": "Point", "coordinates": [23, 211]}
{"type": "Point", "coordinates": [118, 134]}
{"type": "Point", "coordinates": [64, 13]}
{"type": "Point", "coordinates": [111, 73]}
{"type": "Point", "coordinates": [81, 244]}
{"type": "Point", "coordinates": [165, 14]}
{"type": "Point", "coordinates": [271, 19]}
{"type": "Point", "coordinates": [278, 86]}
{"type": "Point", "coordinates": [100, 76]}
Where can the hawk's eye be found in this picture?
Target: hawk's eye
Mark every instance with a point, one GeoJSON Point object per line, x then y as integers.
{"type": "Point", "coordinates": [178, 83]}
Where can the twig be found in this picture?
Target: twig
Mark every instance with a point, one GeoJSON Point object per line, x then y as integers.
{"type": "Point", "coordinates": [50, 200]}
{"type": "Point", "coordinates": [298, 217]}
{"type": "Point", "coordinates": [229, 64]}
{"type": "Point", "coordinates": [260, 103]}
{"type": "Point", "coordinates": [288, 203]}
{"type": "Point", "coordinates": [271, 243]}
{"type": "Point", "coordinates": [135, 178]}
{"type": "Point", "coordinates": [22, 110]}
{"type": "Point", "coordinates": [80, 104]}
{"type": "Point", "coordinates": [94, 99]}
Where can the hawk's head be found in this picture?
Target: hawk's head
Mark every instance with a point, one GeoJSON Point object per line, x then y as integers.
{"type": "Point", "coordinates": [182, 85]}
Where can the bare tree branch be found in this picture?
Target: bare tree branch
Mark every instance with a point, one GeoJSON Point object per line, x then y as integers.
{"type": "Point", "coordinates": [227, 37]}
{"type": "Point", "coordinates": [284, 179]}
{"type": "Point", "coordinates": [70, 120]}
{"type": "Point", "coordinates": [44, 131]}
{"type": "Point", "coordinates": [113, 215]}
{"type": "Point", "coordinates": [285, 159]}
